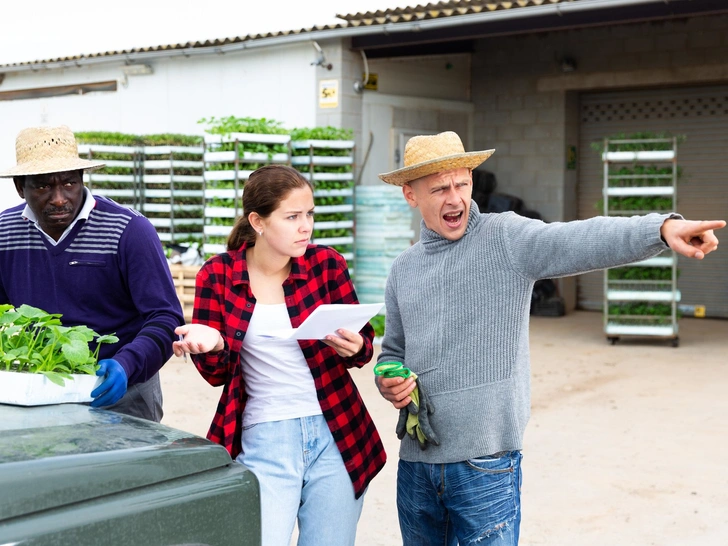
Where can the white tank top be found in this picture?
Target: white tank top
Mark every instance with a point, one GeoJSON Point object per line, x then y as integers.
{"type": "Point", "coordinates": [277, 378]}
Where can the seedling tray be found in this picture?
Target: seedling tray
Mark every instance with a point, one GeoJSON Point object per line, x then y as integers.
{"type": "Point", "coordinates": [34, 389]}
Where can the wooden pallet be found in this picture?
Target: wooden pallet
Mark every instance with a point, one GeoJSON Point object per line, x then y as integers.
{"type": "Point", "coordinates": [184, 283]}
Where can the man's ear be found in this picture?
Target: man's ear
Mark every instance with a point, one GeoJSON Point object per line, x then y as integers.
{"type": "Point", "coordinates": [409, 195]}
{"type": "Point", "coordinates": [19, 186]}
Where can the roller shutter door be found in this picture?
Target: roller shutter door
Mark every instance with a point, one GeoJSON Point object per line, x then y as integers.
{"type": "Point", "coordinates": [701, 115]}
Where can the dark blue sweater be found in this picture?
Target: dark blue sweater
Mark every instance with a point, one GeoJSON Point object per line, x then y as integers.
{"type": "Point", "coordinates": [109, 273]}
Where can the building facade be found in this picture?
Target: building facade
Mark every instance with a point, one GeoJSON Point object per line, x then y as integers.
{"type": "Point", "coordinates": [540, 81]}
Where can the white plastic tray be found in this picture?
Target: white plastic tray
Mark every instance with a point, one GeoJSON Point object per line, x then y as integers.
{"type": "Point", "coordinates": [34, 389]}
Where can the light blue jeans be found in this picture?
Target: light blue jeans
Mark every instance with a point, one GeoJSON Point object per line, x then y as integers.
{"type": "Point", "coordinates": [301, 475]}
{"type": "Point", "coordinates": [477, 501]}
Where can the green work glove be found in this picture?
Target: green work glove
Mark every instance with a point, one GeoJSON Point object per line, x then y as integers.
{"type": "Point", "coordinates": [418, 419]}
{"type": "Point", "coordinates": [414, 419]}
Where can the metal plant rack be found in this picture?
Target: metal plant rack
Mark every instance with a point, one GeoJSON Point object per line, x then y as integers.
{"type": "Point", "coordinates": [173, 219]}
{"type": "Point", "coordinates": [124, 188]}
{"type": "Point", "coordinates": [225, 176]}
{"type": "Point", "coordinates": [641, 294]}
{"type": "Point", "coordinates": [331, 231]}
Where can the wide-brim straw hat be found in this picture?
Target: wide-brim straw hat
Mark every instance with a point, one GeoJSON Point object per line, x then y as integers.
{"type": "Point", "coordinates": [43, 150]}
{"type": "Point", "coordinates": [430, 154]}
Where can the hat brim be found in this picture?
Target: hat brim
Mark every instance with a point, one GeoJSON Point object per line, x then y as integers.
{"type": "Point", "coordinates": [467, 160]}
{"type": "Point", "coordinates": [46, 166]}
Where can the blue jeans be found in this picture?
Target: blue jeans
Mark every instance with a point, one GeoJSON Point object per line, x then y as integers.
{"type": "Point", "coordinates": [477, 501]}
{"type": "Point", "coordinates": [301, 475]}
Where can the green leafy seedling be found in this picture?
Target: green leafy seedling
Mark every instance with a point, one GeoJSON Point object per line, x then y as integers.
{"type": "Point", "coordinates": [34, 341]}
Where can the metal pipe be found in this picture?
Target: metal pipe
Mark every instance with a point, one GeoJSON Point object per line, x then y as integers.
{"type": "Point", "coordinates": [560, 9]}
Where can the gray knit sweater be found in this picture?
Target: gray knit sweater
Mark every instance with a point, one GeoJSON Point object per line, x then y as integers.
{"type": "Point", "coordinates": [458, 311]}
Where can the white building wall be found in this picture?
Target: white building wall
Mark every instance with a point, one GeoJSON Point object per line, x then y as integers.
{"type": "Point", "coordinates": [273, 82]}
{"type": "Point", "coordinates": [346, 68]}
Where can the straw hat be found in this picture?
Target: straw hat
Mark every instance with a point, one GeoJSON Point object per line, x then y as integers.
{"type": "Point", "coordinates": [43, 150]}
{"type": "Point", "coordinates": [425, 155]}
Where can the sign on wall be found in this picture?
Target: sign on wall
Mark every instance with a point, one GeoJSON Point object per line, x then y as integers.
{"type": "Point", "coordinates": [372, 82]}
{"type": "Point", "coordinates": [328, 93]}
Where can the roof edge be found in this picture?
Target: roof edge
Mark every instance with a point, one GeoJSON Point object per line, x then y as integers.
{"type": "Point", "coordinates": [339, 31]}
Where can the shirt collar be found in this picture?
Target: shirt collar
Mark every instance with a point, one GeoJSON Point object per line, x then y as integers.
{"type": "Point", "coordinates": [88, 205]}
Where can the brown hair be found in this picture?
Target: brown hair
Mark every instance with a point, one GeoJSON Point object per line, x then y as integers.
{"type": "Point", "coordinates": [263, 192]}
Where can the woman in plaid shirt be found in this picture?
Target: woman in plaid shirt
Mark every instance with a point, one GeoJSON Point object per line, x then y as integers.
{"type": "Point", "coordinates": [289, 409]}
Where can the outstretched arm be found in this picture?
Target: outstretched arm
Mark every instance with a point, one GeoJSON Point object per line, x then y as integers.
{"type": "Point", "coordinates": [196, 339]}
{"type": "Point", "coordinates": [691, 238]}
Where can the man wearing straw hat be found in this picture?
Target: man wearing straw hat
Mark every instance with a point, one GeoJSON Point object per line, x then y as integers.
{"type": "Point", "coordinates": [457, 316]}
{"type": "Point", "coordinates": [95, 262]}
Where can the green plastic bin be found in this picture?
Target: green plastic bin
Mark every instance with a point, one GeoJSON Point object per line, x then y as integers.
{"type": "Point", "coordinates": [74, 475]}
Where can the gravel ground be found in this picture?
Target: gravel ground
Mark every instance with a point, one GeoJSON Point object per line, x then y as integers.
{"type": "Point", "coordinates": [627, 444]}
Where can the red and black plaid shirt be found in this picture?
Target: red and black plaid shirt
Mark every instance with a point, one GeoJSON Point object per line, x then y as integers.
{"type": "Point", "coordinates": [224, 301]}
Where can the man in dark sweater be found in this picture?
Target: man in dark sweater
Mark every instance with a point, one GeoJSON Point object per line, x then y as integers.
{"type": "Point", "coordinates": [93, 261]}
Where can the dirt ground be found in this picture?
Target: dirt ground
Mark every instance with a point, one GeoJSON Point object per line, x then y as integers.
{"type": "Point", "coordinates": [627, 444]}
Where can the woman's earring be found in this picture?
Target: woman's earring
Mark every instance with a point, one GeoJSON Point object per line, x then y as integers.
{"type": "Point", "coordinates": [260, 233]}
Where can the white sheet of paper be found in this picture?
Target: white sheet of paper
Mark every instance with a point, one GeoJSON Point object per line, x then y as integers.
{"type": "Point", "coordinates": [328, 318]}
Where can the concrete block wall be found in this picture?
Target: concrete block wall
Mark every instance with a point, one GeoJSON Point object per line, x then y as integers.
{"type": "Point", "coordinates": [432, 76]}
{"type": "Point", "coordinates": [527, 107]}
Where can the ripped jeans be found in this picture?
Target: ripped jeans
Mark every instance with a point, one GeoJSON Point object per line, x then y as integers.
{"type": "Point", "coordinates": [477, 501]}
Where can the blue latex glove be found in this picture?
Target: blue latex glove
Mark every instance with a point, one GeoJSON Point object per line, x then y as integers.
{"type": "Point", "coordinates": [113, 387]}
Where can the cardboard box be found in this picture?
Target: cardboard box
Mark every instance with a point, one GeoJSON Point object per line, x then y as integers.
{"type": "Point", "coordinates": [35, 389]}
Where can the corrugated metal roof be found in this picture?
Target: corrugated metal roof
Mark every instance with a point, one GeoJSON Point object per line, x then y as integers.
{"type": "Point", "coordinates": [438, 10]}
{"type": "Point", "coordinates": [180, 46]}
{"type": "Point", "coordinates": [391, 16]}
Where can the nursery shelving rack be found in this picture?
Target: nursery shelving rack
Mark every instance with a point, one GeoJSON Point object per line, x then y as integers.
{"type": "Point", "coordinates": [329, 165]}
{"type": "Point", "coordinates": [641, 299]}
{"type": "Point", "coordinates": [173, 191]}
{"type": "Point", "coordinates": [120, 179]}
{"type": "Point", "coordinates": [227, 166]}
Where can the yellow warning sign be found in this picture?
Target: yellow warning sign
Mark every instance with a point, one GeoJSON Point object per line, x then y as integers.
{"type": "Point", "coordinates": [372, 82]}
{"type": "Point", "coordinates": [328, 93]}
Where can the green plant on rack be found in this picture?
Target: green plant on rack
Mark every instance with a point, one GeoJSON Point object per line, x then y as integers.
{"type": "Point", "coordinates": [307, 134]}
{"type": "Point", "coordinates": [225, 127]}
{"type": "Point", "coordinates": [639, 278]}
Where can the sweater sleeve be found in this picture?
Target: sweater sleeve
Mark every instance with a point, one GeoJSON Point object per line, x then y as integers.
{"type": "Point", "coordinates": [151, 288]}
{"type": "Point", "coordinates": [541, 251]}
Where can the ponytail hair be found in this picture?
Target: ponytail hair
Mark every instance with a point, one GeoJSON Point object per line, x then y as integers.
{"type": "Point", "coordinates": [263, 192]}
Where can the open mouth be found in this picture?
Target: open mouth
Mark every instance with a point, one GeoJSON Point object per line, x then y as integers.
{"type": "Point", "coordinates": [453, 219]}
